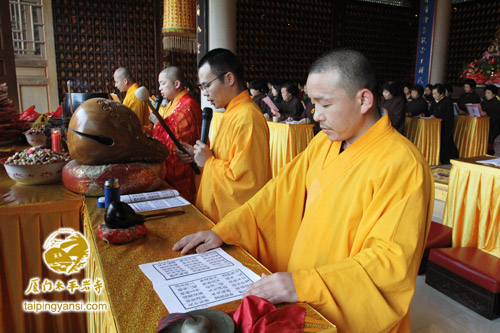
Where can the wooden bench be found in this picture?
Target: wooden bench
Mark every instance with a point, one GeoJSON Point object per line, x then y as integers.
{"type": "Point", "coordinates": [469, 276]}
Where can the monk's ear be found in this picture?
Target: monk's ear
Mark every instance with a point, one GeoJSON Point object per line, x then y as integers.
{"type": "Point", "coordinates": [366, 100]}
{"type": "Point", "coordinates": [230, 78]}
{"type": "Point", "coordinates": [177, 84]}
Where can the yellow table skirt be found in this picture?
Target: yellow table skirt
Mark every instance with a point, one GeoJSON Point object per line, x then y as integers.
{"type": "Point", "coordinates": [473, 205]}
{"type": "Point", "coordinates": [471, 135]}
{"type": "Point", "coordinates": [28, 215]}
{"type": "Point", "coordinates": [426, 135]}
{"type": "Point", "coordinates": [285, 140]}
{"type": "Point", "coordinates": [134, 304]}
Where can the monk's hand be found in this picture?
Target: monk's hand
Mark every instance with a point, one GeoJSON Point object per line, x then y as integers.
{"type": "Point", "coordinates": [303, 121]}
{"type": "Point", "coordinates": [208, 240]}
{"type": "Point", "coordinates": [201, 153]}
{"type": "Point", "coordinates": [276, 288]}
{"type": "Point", "coordinates": [148, 130]}
{"type": "Point", "coordinates": [186, 158]}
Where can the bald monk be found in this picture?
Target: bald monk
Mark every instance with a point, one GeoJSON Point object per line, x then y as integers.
{"type": "Point", "coordinates": [343, 226]}
{"type": "Point", "coordinates": [183, 116]}
{"type": "Point", "coordinates": [124, 82]}
{"type": "Point", "coordinates": [237, 162]}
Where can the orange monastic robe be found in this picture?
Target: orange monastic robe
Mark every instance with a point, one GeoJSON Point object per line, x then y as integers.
{"type": "Point", "coordinates": [139, 107]}
{"type": "Point", "coordinates": [350, 227]}
{"type": "Point", "coordinates": [183, 117]}
{"type": "Point", "coordinates": [241, 162]}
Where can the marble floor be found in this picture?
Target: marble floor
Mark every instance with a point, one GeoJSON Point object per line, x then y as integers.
{"type": "Point", "coordinates": [434, 312]}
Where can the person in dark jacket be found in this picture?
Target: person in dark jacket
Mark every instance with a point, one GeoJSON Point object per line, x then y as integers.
{"type": "Point", "coordinates": [491, 108]}
{"type": "Point", "coordinates": [468, 96]}
{"type": "Point", "coordinates": [259, 92]}
{"type": "Point", "coordinates": [418, 106]}
{"type": "Point", "coordinates": [428, 93]}
{"type": "Point", "coordinates": [442, 108]}
{"type": "Point", "coordinates": [395, 104]}
{"type": "Point", "coordinates": [291, 108]}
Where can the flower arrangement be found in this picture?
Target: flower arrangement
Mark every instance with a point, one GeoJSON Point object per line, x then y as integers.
{"type": "Point", "coordinates": [487, 69]}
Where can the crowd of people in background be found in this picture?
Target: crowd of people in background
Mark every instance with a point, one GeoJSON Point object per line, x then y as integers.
{"type": "Point", "coordinates": [284, 101]}
{"type": "Point", "coordinates": [400, 100]}
{"type": "Point", "coordinates": [435, 101]}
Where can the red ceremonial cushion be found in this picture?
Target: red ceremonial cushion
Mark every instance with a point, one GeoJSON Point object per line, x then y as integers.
{"type": "Point", "coordinates": [120, 236]}
{"type": "Point", "coordinates": [439, 236]}
{"type": "Point", "coordinates": [470, 263]}
{"type": "Point", "coordinates": [133, 177]}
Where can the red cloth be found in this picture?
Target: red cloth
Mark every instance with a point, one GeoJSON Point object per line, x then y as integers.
{"type": "Point", "coordinates": [257, 314]}
{"type": "Point", "coordinates": [29, 114]}
{"type": "Point", "coordinates": [57, 113]}
{"type": "Point", "coordinates": [185, 123]}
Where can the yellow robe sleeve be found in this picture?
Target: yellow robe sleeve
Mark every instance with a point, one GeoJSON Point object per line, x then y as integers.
{"type": "Point", "coordinates": [253, 225]}
{"type": "Point", "coordinates": [351, 228]}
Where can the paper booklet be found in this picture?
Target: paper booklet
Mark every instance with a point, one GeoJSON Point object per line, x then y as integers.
{"type": "Point", "coordinates": [495, 162]}
{"type": "Point", "coordinates": [149, 201]}
{"type": "Point", "coordinates": [272, 106]}
{"type": "Point", "coordinates": [115, 97]}
{"type": "Point", "coordinates": [199, 281]}
{"type": "Point", "coordinates": [474, 109]}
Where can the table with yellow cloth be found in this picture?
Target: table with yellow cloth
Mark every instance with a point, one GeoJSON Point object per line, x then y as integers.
{"type": "Point", "coordinates": [28, 215]}
{"type": "Point", "coordinates": [471, 135]}
{"type": "Point", "coordinates": [473, 205]}
{"type": "Point", "coordinates": [425, 133]}
{"type": "Point", "coordinates": [134, 304]}
{"type": "Point", "coordinates": [285, 140]}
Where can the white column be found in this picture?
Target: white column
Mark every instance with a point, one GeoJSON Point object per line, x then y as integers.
{"type": "Point", "coordinates": [221, 29]}
{"type": "Point", "coordinates": [440, 41]}
{"type": "Point", "coordinates": [222, 24]}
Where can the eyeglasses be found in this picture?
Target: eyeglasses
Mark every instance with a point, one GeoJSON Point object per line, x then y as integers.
{"type": "Point", "coordinates": [205, 86]}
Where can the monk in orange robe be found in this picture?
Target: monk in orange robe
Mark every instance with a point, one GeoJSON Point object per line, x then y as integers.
{"type": "Point", "coordinates": [237, 162]}
{"type": "Point", "coordinates": [124, 82]}
{"type": "Point", "coordinates": [343, 226]}
{"type": "Point", "coordinates": [183, 116]}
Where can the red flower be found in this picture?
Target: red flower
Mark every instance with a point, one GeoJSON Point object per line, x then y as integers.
{"type": "Point", "coordinates": [492, 61]}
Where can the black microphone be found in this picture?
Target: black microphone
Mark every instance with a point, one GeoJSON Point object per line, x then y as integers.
{"type": "Point", "coordinates": [206, 118]}
{"type": "Point", "coordinates": [159, 99]}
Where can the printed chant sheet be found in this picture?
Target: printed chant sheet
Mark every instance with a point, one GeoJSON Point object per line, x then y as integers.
{"type": "Point", "coordinates": [199, 281]}
{"type": "Point", "coordinates": [151, 201]}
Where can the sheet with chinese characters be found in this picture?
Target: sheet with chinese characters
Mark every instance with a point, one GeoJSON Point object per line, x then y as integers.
{"type": "Point", "coordinates": [199, 281]}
